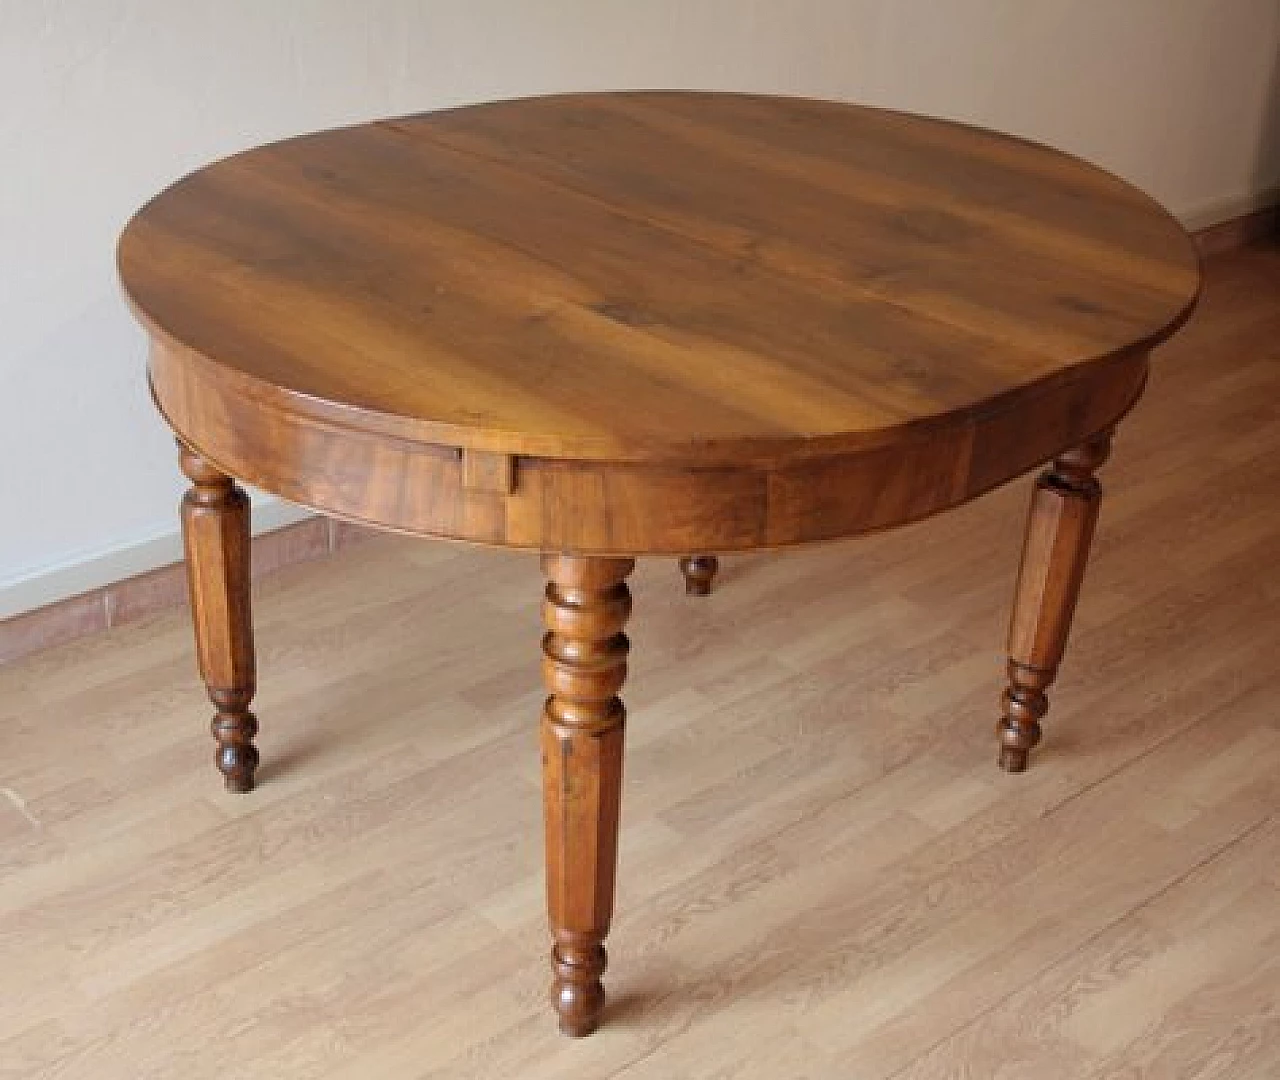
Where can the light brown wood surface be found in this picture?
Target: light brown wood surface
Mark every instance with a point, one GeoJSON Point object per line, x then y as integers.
{"type": "Point", "coordinates": [650, 322]}
{"type": "Point", "coordinates": [665, 276]}
{"type": "Point", "coordinates": [821, 875]}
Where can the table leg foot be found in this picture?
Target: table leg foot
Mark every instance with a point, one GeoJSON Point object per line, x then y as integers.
{"type": "Point", "coordinates": [699, 571]}
{"type": "Point", "coordinates": [215, 531]}
{"type": "Point", "coordinates": [578, 962]}
{"type": "Point", "coordinates": [1064, 511]}
{"type": "Point", "coordinates": [234, 728]}
{"type": "Point", "coordinates": [1024, 703]}
{"type": "Point", "coordinates": [584, 666]}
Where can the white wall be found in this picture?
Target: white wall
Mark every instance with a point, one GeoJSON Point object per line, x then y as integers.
{"type": "Point", "coordinates": [104, 101]}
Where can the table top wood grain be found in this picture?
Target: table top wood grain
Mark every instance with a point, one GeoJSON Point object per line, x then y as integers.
{"type": "Point", "coordinates": [655, 277]}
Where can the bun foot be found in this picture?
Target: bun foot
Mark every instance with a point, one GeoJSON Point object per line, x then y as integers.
{"type": "Point", "coordinates": [233, 730]}
{"type": "Point", "coordinates": [699, 571]}
{"type": "Point", "coordinates": [577, 992]}
{"type": "Point", "coordinates": [238, 764]}
{"type": "Point", "coordinates": [1013, 759]}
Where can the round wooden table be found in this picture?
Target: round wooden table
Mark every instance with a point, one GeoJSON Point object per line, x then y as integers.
{"type": "Point", "coordinates": [610, 325]}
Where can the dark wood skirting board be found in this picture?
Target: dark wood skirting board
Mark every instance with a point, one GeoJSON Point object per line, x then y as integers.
{"type": "Point", "coordinates": [135, 598]}
{"type": "Point", "coordinates": [1238, 232]}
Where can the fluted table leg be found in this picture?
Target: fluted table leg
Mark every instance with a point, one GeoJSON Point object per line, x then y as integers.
{"type": "Point", "coordinates": [1064, 510]}
{"type": "Point", "coordinates": [699, 572]}
{"type": "Point", "coordinates": [215, 531]}
{"type": "Point", "coordinates": [584, 665]}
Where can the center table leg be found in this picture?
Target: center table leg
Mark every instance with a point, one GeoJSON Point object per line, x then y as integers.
{"type": "Point", "coordinates": [1064, 510]}
{"type": "Point", "coordinates": [584, 665]}
{"type": "Point", "coordinates": [215, 533]}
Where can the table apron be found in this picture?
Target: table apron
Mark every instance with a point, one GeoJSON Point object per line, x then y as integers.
{"type": "Point", "coordinates": [631, 508]}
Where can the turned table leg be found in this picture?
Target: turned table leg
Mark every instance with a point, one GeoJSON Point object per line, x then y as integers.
{"type": "Point", "coordinates": [1064, 510]}
{"type": "Point", "coordinates": [699, 571]}
{"type": "Point", "coordinates": [215, 532]}
{"type": "Point", "coordinates": [584, 664]}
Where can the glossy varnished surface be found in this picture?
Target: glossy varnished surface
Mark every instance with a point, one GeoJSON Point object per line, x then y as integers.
{"type": "Point", "coordinates": [649, 323]}
{"type": "Point", "coordinates": [664, 277]}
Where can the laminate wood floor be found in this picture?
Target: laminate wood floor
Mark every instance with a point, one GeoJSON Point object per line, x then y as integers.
{"type": "Point", "coordinates": [822, 874]}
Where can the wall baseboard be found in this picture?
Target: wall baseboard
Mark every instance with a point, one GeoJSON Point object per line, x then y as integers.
{"type": "Point", "coordinates": [133, 582]}
{"type": "Point", "coordinates": [124, 561]}
{"type": "Point", "coordinates": [1238, 232]}
{"type": "Point", "coordinates": [1222, 212]}
{"type": "Point", "coordinates": [284, 535]}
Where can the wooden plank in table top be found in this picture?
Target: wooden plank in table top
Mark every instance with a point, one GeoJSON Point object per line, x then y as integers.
{"type": "Point", "coordinates": [496, 301]}
{"type": "Point", "coordinates": [879, 165]}
{"type": "Point", "coordinates": [786, 232]}
{"type": "Point", "coordinates": [585, 269]}
{"type": "Point", "coordinates": [973, 172]}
